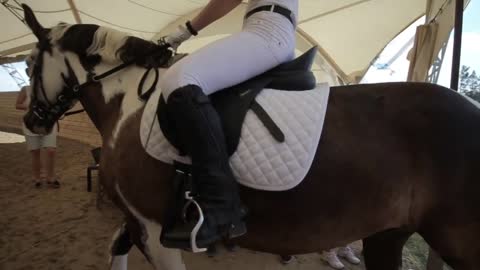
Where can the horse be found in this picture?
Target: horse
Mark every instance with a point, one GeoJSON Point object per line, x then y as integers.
{"type": "Point", "coordinates": [393, 159]}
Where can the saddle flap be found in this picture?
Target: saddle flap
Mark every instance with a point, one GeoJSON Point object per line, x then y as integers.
{"type": "Point", "coordinates": [232, 106]}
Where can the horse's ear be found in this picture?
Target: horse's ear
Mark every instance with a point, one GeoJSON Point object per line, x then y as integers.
{"type": "Point", "coordinates": [33, 23]}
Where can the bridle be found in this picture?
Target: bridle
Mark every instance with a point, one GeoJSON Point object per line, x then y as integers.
{"type": "Point", "coordinates": [47, 113]}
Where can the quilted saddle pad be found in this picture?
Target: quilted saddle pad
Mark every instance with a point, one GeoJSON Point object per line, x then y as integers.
{"type": "Point", "coordinates": [260, 162]}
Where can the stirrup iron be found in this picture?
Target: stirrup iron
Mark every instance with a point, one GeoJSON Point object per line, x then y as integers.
{"type": "Point", "coordinates": [193, 234]}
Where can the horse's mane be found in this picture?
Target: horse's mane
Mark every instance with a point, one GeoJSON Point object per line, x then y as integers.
{"type": "Point", "coordinates": [107, 43]}
{"type": "Point", "coordinates": [92, 40]}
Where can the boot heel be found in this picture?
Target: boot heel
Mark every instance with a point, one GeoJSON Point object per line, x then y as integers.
{"type": "Point", "coordinates": [237, 230]}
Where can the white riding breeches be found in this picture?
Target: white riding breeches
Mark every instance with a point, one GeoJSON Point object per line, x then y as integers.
{"type": "Point", "coordinates": [267, 40]}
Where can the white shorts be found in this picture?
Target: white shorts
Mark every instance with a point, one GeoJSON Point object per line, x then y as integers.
{"type": "Point", "coordinates": [38, 142]}
{"type": "Point", "coordinates": [267, 40]}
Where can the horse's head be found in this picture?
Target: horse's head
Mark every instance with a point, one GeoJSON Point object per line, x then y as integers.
{"type": "Point", "coordinates": [52, 80]}
{"type": "Point", "coordinates": [63, 63]}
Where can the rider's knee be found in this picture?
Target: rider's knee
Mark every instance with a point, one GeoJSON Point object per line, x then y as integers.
{"type": "Point", "coordinates": [175, 78]}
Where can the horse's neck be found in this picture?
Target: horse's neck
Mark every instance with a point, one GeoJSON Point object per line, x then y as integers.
{"type": "Point", "coordinates": [103, 115]}
{"type": "Point", "coordinates": [115, 101]}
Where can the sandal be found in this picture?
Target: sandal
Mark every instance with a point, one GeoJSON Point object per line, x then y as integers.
{"type": "Point", "coordinates": [54, 184]}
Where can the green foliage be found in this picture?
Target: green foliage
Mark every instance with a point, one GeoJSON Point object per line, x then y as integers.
{"type": "Point", "coordinates": [470, 83]}
{"type": "Point", "coordinates": [415, 253]}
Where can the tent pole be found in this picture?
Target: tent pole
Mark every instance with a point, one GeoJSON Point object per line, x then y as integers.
{"type": "Point", "coordinates": [457, 44]}
{"type": "Point", "coordinates": [74, 9]}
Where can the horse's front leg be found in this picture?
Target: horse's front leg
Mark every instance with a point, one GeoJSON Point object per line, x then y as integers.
{"type": "Point", "coordinates": [121, 245]}
{"type": "Point", "coordinates": [160, 257]}
{"type": "Point", "coordinates": [145, 234]}
{"type": "Point", "coordinates": [146, 238]}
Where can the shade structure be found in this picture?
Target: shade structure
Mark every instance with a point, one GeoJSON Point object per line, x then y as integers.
{"type": "Point", "coordinates": [430, 38]}
{"type": "Point", "coordinates": [349, 33]}
{"type": "Point", "coordinates": [422, 54]}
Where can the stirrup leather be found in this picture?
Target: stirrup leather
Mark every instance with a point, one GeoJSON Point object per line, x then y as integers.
{"type": "Point", "coordinates": [193, 234]}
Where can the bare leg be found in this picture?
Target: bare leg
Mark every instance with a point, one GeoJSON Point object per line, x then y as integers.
{"type": "Point", "coordinates": [36, 165]}
{"type": "Point", "coordinates": [50, 166]}
{"type": "Point", "coordinates": [50, 162]}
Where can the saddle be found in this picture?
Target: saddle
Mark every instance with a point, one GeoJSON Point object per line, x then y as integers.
{"type": "Point", "coordinates": [233, 103]}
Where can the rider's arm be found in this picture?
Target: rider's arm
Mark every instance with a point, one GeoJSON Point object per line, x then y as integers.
{"type": "Point", "coordinates": [213, 11]}
{"type": "Point", "coordinates": [20, 103]}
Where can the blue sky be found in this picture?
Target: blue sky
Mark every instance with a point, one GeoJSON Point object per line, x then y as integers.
{"type": "Point", "coordinates": [6, 82]}
{"type": "Point", "coordinates": [471, 36]}
{"type": "Point", "coordinates": [398, 70]}
{"type": "Point", "coordinates": [472, 18]}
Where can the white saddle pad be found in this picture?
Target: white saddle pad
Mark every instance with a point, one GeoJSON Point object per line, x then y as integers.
{"type": "Point", "coordinates": [260, 161]}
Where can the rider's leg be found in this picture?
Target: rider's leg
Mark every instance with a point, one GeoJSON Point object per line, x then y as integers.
{"type": "Point", "coordinates": [200, 133]}
{"type": "Point", "coordinates": [227, 62]}
{"type": "Point", "coordinates": [186, 85]}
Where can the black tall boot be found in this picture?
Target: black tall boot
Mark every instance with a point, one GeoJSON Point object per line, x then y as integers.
{"type": "Point", "coordinates": [199, 131]}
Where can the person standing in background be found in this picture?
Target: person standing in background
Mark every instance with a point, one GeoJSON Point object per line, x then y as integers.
{"type": "Point", "coordinates": [37, 142]}
{"type": "Point", "coordinates": [332, 257]}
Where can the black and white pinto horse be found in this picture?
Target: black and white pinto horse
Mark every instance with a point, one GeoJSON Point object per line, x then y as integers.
{"type": "Point", "coordinates": [403, 156]}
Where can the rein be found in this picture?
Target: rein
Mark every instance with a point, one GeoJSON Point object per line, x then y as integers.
{"type": "Point", "coordinates": [93, 78]}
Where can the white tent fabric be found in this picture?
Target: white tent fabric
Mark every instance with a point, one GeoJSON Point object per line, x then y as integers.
{"type": "Point", "coordinates": [422, 54]}
{"type": "Point", "coordinates": [430, 38]}
{"type": "Point", "coordinates": [349, 33]}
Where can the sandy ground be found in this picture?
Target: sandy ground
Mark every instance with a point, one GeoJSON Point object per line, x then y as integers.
{"type": "Point", "coordinates": [62, 229]}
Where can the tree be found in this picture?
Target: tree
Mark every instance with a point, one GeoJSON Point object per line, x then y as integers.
{"type": "Point", "coordinates": [464, 74]}
{"type": "Point", "coordinates": [470, 83]}
{"type": "Point", "coordinates": [474, 82]}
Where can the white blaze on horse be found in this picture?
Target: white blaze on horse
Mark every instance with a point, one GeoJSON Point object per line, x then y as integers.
{"type": "Point", "coordinates": [393, 159]}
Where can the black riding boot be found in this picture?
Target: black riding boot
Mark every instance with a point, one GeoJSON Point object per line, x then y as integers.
{"type": "Point", "coordinates": [199, 132]}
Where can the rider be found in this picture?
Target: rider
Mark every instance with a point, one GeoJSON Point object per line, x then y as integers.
{"type": "Point", "coordinates": [267, 40]}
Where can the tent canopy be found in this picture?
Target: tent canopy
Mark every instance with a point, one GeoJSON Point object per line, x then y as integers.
{"type": "Point", "coordinates": [349, 33]}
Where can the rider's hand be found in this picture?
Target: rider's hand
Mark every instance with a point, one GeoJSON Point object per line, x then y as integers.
{"type": "Point", "coordinates": [177, 37]}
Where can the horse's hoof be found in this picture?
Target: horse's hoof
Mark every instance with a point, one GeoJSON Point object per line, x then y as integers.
{"type": "Point", "coordinates": [286, 259]}
{"type": "Point", "coordinates": [231, 247]}
{"type": "Point", "coordinates": [212, 251]}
